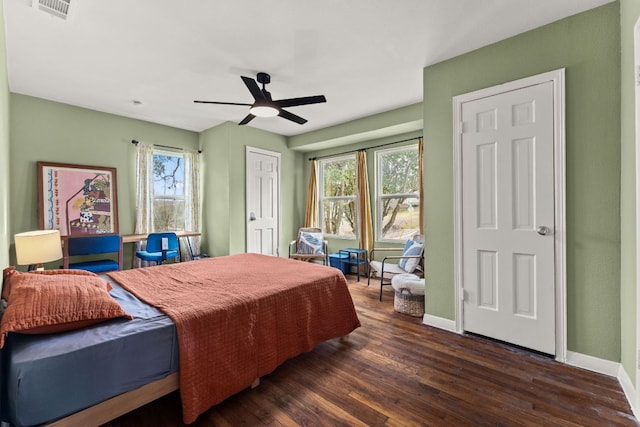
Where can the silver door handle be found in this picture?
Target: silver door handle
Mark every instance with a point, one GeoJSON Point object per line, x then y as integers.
{"type": "Point", "coordinates": [543, 230]}
{"type": "Point", "coordinates": [252, 216]}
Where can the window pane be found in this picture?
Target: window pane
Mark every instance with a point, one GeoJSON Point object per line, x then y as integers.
{"type": "Point", "coordinates": [339, 178]}
{"type": "Point", "coordinates": [400, 172]}
{"type": "Point", "coordinates": [400, 217]}
{"type": "Point", "coordinates": [168, 214]}
{"type": "Point", "coordinates": [339, 217]}
{"type": "Point", "coordinates": [168, 191]}
{"type": "Point", "coordinates": [168, 175]}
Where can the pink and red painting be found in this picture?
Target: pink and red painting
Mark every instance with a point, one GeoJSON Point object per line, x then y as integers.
{"type": "Point", "coordinates": [77, 200]}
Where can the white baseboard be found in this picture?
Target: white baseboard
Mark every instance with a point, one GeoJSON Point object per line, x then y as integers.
{"type": "Point", "coordinates": [629, 390]}
{"type": "Point", "coordinates": [607, 367]}
{"type": "Point", "coordinates": [594, 364]}
{"type": "Point", "coordinates": [439, 322]}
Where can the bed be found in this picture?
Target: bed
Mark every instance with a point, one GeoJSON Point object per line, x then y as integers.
{"type": "Point", "coordinates": [210, 327]}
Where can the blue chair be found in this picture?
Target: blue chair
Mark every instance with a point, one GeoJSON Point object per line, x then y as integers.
{"type": "Point", "coordinates": [154, 251]}
{"type": "Point", "coordinates": [93, 245]}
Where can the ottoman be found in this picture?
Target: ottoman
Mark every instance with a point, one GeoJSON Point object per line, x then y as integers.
{"type": "Point", "coordinates": [408, 294]}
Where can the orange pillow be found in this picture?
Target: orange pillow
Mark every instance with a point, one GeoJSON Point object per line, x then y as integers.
{"type": "Point", "coordinates": [8, 272]}
{"type": "Point", "coordinates": [50, 303]}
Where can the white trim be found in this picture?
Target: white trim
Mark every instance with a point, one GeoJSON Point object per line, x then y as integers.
{"type": "Point", "coordinates": [594, 364]}
{"type": "Point", "coordinates": [439, 322]}
{"type": "Point", "coordinates": [628, 389]}
{"type": "Point", "coordinates": [278, 156]}
{"type": "Point", "coordinates": [636, 71]}
{"type": "Point", "coordinates": [557, 77]}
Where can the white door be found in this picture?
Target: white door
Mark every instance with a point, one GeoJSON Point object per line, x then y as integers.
{"type": "Point", "coordinates": [508, 217]}
{"type": "Point", "coordinates": [263, 201]}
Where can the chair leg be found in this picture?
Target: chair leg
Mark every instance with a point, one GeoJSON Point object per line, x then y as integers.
{"type": "Point", "coordinates": [381, 281]}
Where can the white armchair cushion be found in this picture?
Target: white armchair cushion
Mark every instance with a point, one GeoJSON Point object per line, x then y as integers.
{"type": "Point", "coordinates": [390, 269]}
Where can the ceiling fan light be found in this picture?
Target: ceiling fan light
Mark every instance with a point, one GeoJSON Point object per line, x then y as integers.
{"type": "Point", "coordinates": [264, 111]}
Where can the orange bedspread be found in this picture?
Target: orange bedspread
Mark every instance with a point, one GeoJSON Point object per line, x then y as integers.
{"type": "Point", "coordinates": [239, 317]}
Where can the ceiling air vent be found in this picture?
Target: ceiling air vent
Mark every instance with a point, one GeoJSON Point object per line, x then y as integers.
{"type": "Point", "coordinates": [59, 8]}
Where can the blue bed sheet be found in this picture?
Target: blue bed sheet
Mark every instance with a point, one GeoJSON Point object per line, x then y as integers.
{"type": "Point", "coordinates": [46, 377]}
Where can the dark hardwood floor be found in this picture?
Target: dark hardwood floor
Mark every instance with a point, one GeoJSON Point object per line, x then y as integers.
{"type": "Point", "coordinates": [395, 371]}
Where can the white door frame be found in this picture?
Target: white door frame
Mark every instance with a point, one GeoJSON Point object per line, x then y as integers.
{"type": "Point", "coordinates": [557, 77]}
{"type": "Point", "coordinates": [636, 78]}
{"type": "Point", "coordinates": [279, 206]}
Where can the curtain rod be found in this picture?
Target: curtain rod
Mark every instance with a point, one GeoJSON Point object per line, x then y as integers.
{"type": "Point", "coordinates": [136, 142]}
{"type": "Point", "coordinates": [365, 149]}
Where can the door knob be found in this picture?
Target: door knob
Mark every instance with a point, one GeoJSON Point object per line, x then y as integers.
{"type": "Point", "coordinates": [252, 216]}
{"type": "Point", "coordinates": [543, 230]}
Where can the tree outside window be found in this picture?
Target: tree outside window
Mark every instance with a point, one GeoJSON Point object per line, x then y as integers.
{"type": "Point", "coordinates": [168, 191]}
{"type": "Point", "coordinates": [398, 201]}
{"type": "Point", "coordinates": [338, 196]}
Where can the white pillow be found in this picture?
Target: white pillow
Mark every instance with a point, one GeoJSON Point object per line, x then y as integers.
{"type": "Point", "coordinates": [310, 243]}
{"type": "Point", "coordinates": [410, 264]}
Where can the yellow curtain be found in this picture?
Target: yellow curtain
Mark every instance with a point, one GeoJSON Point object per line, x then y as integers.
{"type": "Point", "coordinates": [364, 203]}
{"type": "Point", "coordinates": [420, 177]}
{"type": "Point", "coordinates": [311, 213]}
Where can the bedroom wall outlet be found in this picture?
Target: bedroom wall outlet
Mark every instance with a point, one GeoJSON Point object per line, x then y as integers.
{"type": "Point", "coordinates": [165, 243]}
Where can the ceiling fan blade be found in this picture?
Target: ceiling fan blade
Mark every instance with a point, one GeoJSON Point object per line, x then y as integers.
{"type": "Point", "coordinates": [254, 89]}
{"type": "Point", "coordinates": [290, 116]}
{"type": "Point", "coordinates": [305, 100]}
{"type": "Point", "coordinates": [247, 119]}
{"type": "Point", "coordinates": [222, 103]}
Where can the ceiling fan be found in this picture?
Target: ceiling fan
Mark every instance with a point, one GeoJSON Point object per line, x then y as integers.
{"type": "Point", "coordinates": [264, 106]}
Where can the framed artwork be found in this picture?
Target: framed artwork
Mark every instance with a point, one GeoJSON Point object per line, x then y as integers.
{"type": "Point", "coordinates": [77, 200]}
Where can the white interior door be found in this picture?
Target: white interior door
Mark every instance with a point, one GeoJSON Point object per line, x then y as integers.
{"type": "Point", "coordinates": [263, 201]}
{"type": "Point", "coordinates": [508, 272]}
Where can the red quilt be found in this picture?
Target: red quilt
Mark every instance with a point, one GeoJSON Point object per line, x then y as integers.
{"type": "Point", "coordinates": [239, 317]}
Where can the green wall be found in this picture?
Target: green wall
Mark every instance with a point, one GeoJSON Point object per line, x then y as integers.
{"type": "Point", "coordinates": [629, 14]}
{"type": "Point", "coordinates": [4, 148]}
{"type": "Point", "coordinates": [224, 213]}
{"type": "Point", "coordinates": [54, 132]}
{"type": "Point", "coordinates": [588, 46]}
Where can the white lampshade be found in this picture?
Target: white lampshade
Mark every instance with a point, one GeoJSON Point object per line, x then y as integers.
{"type": "Point", "coordinates": [264, 111]}
{"type": "Point", "coordinates": [38, 247]}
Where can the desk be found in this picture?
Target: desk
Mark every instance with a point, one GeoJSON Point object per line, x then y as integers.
{"type": "Point", "coordinates": [356, 257]}
{"type": "Point", "coordinates": [135, 238]}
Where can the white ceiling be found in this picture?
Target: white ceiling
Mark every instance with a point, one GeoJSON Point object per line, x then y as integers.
{"type": "Point", "coordinates": [365, 56]}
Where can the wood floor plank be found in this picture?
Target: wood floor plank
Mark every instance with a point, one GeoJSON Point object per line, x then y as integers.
{"type": "Point", "coordinates": [395, 371]}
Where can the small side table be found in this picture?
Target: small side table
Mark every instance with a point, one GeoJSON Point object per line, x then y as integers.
{"type": "Point", "coordinates": [356, 257]}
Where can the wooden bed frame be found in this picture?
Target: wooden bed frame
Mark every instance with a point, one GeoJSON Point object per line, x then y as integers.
{"type": "Point", "coordinates": [124, 403]}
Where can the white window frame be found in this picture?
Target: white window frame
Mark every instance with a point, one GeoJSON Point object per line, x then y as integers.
{"type": "Point", "coordinates": [379, 196]}
{"type": "Point", "coordinates": [169, 197]}
{"type": "Point", "coordinates": [322, 198]}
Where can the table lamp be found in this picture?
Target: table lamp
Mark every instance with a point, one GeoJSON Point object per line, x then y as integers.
{"type": "Point", "coordinates": [34, 248]}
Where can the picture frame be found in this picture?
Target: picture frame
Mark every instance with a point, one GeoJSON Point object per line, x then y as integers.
{"type": "Point", "coordinates": [78, 200]}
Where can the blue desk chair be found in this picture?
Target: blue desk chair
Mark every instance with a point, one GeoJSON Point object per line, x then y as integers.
{"type": "Point", "coordinates": [93, 245]}
{"type": "Point", "coordinates": [154, 251]}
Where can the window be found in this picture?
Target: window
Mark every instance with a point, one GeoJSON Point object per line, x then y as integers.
{"type": "Point", "coordinates": [398, 196]}
{"type": "Point", "coordinates": [338, 196]}
{"type": "Point", "coordinates": [168, 191]}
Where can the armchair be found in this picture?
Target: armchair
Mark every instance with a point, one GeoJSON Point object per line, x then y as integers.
{"type": "Point", "coordinates": [309, 246]}
{"type": "Point", "coordinates": [409, 260]}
